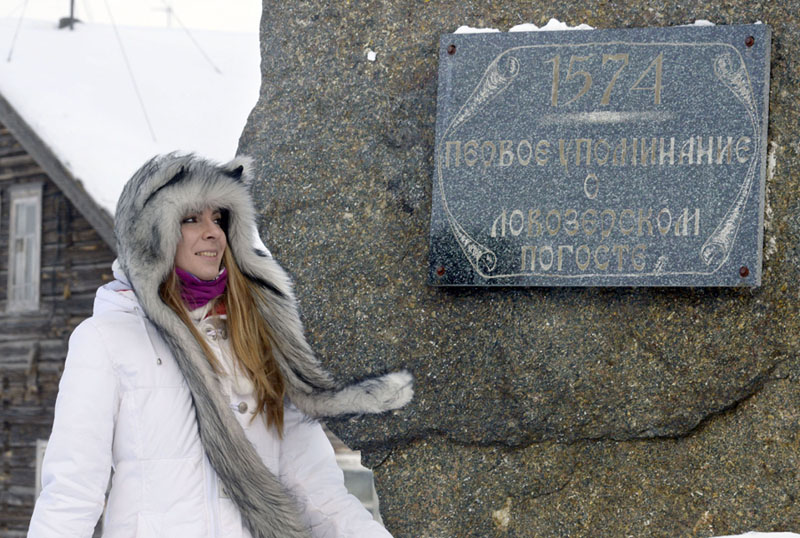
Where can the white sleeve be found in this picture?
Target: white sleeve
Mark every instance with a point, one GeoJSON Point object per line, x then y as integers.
{"type": "Point", "coordinates": [309, 470]}
{"type": "Point", "coordinates": [77, 461]}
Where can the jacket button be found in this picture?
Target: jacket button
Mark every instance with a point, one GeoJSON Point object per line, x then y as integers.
{"type": "Point", "coordinates": [158, 362]}
{"type": "Point", "coordinates": [242, 407]}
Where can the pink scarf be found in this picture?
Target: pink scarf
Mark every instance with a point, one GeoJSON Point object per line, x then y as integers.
{"type": "Point", "coordinates": [196, 293]}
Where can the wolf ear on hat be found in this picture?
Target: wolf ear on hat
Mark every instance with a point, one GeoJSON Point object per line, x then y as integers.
{"type": "Point", "coordinates": [240, 168]}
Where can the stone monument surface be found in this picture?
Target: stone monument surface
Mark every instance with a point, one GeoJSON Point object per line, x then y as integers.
{"type": "Point", "coordinates": [608, 158]}
{"type": "Point", "coordinates": [598, 411]}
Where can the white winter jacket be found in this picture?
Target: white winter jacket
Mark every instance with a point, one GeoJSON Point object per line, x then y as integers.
{"type": "Point", "coordinates": [123, 404]}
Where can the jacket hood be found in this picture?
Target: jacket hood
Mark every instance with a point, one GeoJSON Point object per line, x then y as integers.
{"type": "Point", "coordinates": [147, 229]}
{"type": "Point", "coordinates": [110, 296]}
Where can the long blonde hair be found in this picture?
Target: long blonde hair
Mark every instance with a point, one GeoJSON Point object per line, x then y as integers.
{"type": "Point", "coordinates": [251, 338]}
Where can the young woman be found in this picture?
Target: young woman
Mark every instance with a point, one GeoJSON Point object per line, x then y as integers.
{"type": "Point", "coordinates": [194, 382]}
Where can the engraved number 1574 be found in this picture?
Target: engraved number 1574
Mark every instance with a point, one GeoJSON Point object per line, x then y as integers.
{"type": "Point", "coordinates": [574, 72]}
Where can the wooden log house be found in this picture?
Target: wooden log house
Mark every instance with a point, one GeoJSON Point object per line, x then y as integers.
{"type": "Point", "coordinates": [56, 248]}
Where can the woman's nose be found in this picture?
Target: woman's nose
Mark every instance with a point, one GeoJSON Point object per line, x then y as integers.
{"type": "Point", "coordinates": [210, 228]}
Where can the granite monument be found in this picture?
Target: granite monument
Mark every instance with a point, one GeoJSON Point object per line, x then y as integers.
{"type": "Point", "coordinates": [539, 411]}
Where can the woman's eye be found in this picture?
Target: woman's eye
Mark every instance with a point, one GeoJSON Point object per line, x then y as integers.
{"type": "Point", "coordinates": [188, 220]}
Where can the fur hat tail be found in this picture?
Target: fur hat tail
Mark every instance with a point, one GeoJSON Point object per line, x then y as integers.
{"type": "Point", "coordinates": [375, 395]}
{"type": "Point", "coordinates": [310, 387]}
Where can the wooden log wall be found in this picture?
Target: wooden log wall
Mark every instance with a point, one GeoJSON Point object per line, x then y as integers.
{"type": "Point", "coordinates": [33, 345]}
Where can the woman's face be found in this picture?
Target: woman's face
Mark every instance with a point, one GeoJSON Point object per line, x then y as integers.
{"type": "Point", "coordinates": [202, 244]}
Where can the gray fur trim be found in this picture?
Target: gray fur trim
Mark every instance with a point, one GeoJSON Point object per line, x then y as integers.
{"type": "Point", "coordinates": [147, 228]}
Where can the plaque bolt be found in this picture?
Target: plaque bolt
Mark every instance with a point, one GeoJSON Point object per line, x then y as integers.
{"type": "Point", "coordinates": [749, 41]}
{"type": "Point", "coordinates": [451, 49]}
{"type": "Point", "coordinates": [744, 271]}
{"type": "Point", "coordinates": [440, 270]}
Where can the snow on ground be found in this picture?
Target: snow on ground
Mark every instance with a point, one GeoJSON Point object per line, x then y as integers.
{"type": "Point", "coordinates": [74, 89]}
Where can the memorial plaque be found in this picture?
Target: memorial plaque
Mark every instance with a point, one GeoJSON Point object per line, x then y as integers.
{"type": "Point", "coordinates": [601, 158]}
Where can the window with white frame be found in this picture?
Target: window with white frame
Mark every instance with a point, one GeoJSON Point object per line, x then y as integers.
{"type": "Point", "coordinates": [24, 247]}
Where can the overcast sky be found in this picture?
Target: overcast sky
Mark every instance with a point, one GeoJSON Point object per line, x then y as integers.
{"type": "Point", "coordinates": [225, 15]}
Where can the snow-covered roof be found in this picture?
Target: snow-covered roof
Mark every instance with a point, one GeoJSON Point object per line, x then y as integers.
{"type": "Point", "coordinates": [76, 90]}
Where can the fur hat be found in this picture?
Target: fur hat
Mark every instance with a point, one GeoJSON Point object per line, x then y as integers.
{"type": "Point", "coordinates": [147, 229]}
